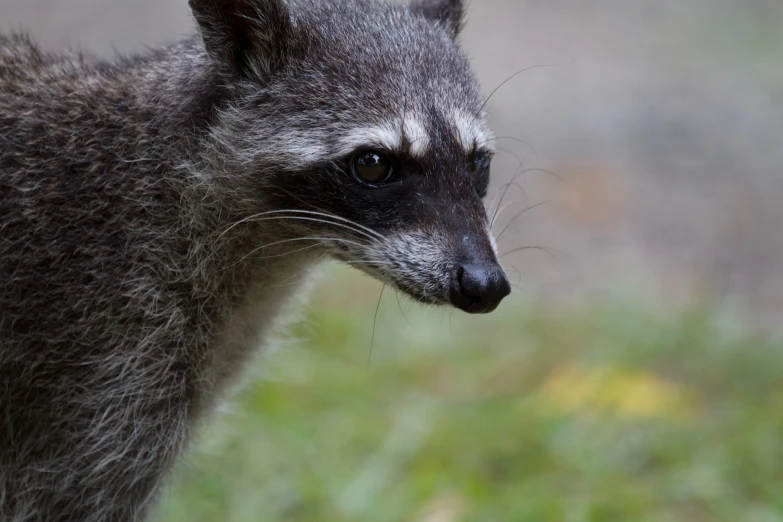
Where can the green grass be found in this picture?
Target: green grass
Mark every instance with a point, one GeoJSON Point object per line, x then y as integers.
{"type": "Point", "coordinates": [602, 414]}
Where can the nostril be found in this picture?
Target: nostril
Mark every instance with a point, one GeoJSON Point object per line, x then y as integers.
{"type": "Point", "coordinates": [502, 286]}
{"type": "Point", "coordinates": [460, 274]}
{"type": "Point", "coordinates": [467, 287]}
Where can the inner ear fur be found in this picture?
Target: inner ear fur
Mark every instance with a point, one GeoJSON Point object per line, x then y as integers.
{"type": "Point", "coordinates": [450, 14]}
{"type": "Point", "coordinates": [248, 37]}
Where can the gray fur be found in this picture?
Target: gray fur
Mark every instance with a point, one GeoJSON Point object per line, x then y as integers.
{"type": "Point", "coordinates": [158, 214]}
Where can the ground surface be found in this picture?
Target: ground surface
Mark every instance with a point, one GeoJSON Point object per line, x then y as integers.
{"type": "Point", "coordinates": [606, 415]}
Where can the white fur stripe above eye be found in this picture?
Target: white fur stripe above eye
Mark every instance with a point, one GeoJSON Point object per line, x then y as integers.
{"type": "Point", "coordinates": [416, 134]}
{"type": "Point", "coordinates": [470, 131]}
{"type": "Point", "coordinates": [411, 131]}
{"type": "Point", "coordinates": [391, 136]}
{"type": "Point", "coordinates": [386, 136]}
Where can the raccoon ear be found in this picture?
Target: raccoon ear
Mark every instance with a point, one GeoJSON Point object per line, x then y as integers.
{"type": "Point", "coordinates": [448, 13]}
{"type": "Point", "coordinates": [250, 37]}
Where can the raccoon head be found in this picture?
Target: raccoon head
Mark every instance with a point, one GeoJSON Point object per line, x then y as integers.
{"type": "Point", "coordinates": [359, 126]}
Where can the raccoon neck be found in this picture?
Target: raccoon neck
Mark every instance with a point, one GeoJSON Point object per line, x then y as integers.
{"type": "Point", "coordinates": [243, 288]}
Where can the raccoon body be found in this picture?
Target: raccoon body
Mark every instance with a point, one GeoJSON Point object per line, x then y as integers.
{"type": "Point", "coordinates": [160, 213]}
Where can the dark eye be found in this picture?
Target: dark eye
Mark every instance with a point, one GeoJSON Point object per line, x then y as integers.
{"type": "Point", "coordinates": [479, 168]}
{"type": "Point", "coordinates": [372, 167]}
{"type": "Point", "coordinates": [481, 161]}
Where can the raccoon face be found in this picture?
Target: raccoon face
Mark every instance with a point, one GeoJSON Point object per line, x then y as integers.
{"type": "Point", "coordinates": [361, 125]}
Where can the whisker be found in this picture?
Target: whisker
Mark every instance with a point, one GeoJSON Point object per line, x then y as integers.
{"type": "Point", "coordinates": [526, 69]}
{"type": "Point", "coordinates": [519, 172]}
{"type": "Point", "coordinates": [358, 226]}
{"type": "Point", "coordinates": [346, 226]}
{"type": "Point", "coordinates": [285, 282]}
{"type": "Point", "coordinates": [265, 216]}
{"type": "Point", "coordinates": [275, 256]}
{"type": "Point", "coordinates": [520, 164]}
{"type": "Point", "coordinates": [519, 287]}
{"type": "Point", "coordinates": [399, 305]}
{"type": "Point", "coordinates": [549, 251]}
{"type": "Point", "coordinates": [501, 187]}
{"type": "Point", "coordinates": [501, 210]}
{"type": "Point", "coordinates": [374, 325]}
{"type": "Point", "coordinates": [517, 234]}
{"type": "Point", "coordinates": [516, 270]}
{"type": "Point", "coordinates": [513, 183]}
{"type": "Point", "coordinates": [245, 220]}
{"type": "Point", "coordinates": [315, 220]}
{"type": "Point", "coordinates": [520, 214]}
{"type": "Point", "coordinates": [546, 171]}
{"type": "Point", "coordinates": [511, 138]}
{"type": "Point", "coordinates": [492, 201]}
{"type": "Point", "coordinates": [380, 263]}
{"type": "Point", "coordinates": [326, 213]}
{"type": "Point", "coordinates": [277, 243]}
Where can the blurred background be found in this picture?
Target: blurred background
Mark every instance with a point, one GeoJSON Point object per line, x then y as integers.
{"type": "Point", "coordinates": [635, 375]}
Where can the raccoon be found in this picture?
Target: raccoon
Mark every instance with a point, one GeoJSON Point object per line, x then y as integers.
{"type": "Point", "coordinates": [160, 213]}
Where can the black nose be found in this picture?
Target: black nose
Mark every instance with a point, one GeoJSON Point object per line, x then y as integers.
{"type": "Point", "coordinates": [478, 289]}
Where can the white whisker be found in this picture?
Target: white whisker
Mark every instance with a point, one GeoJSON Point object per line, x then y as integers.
{"type": "Point", "coordinates": [379, 263]}
{"type": "Point", "coordinates": [314, 220]}
{"type": "Point", "coordinates": [264, 216]}
{"type": "Point", "coordinates": [277, 243]}
{"type": "Point", "coordinates": [519, 215]}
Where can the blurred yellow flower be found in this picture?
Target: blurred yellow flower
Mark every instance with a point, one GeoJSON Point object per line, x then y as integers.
{"type": "Point", "coordinates": [616, 390]}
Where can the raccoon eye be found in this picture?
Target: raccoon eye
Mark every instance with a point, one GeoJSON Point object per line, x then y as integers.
{"type": "Point", "coordinates": [481, 161]}
{"type": "Point", "coordinates": [479, 168]}
{"type": "Point", "coordinates": [372, 167]}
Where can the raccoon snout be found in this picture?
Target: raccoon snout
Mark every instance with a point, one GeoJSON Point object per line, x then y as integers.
{"type": "Point", "coordinates": [478, 288]}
